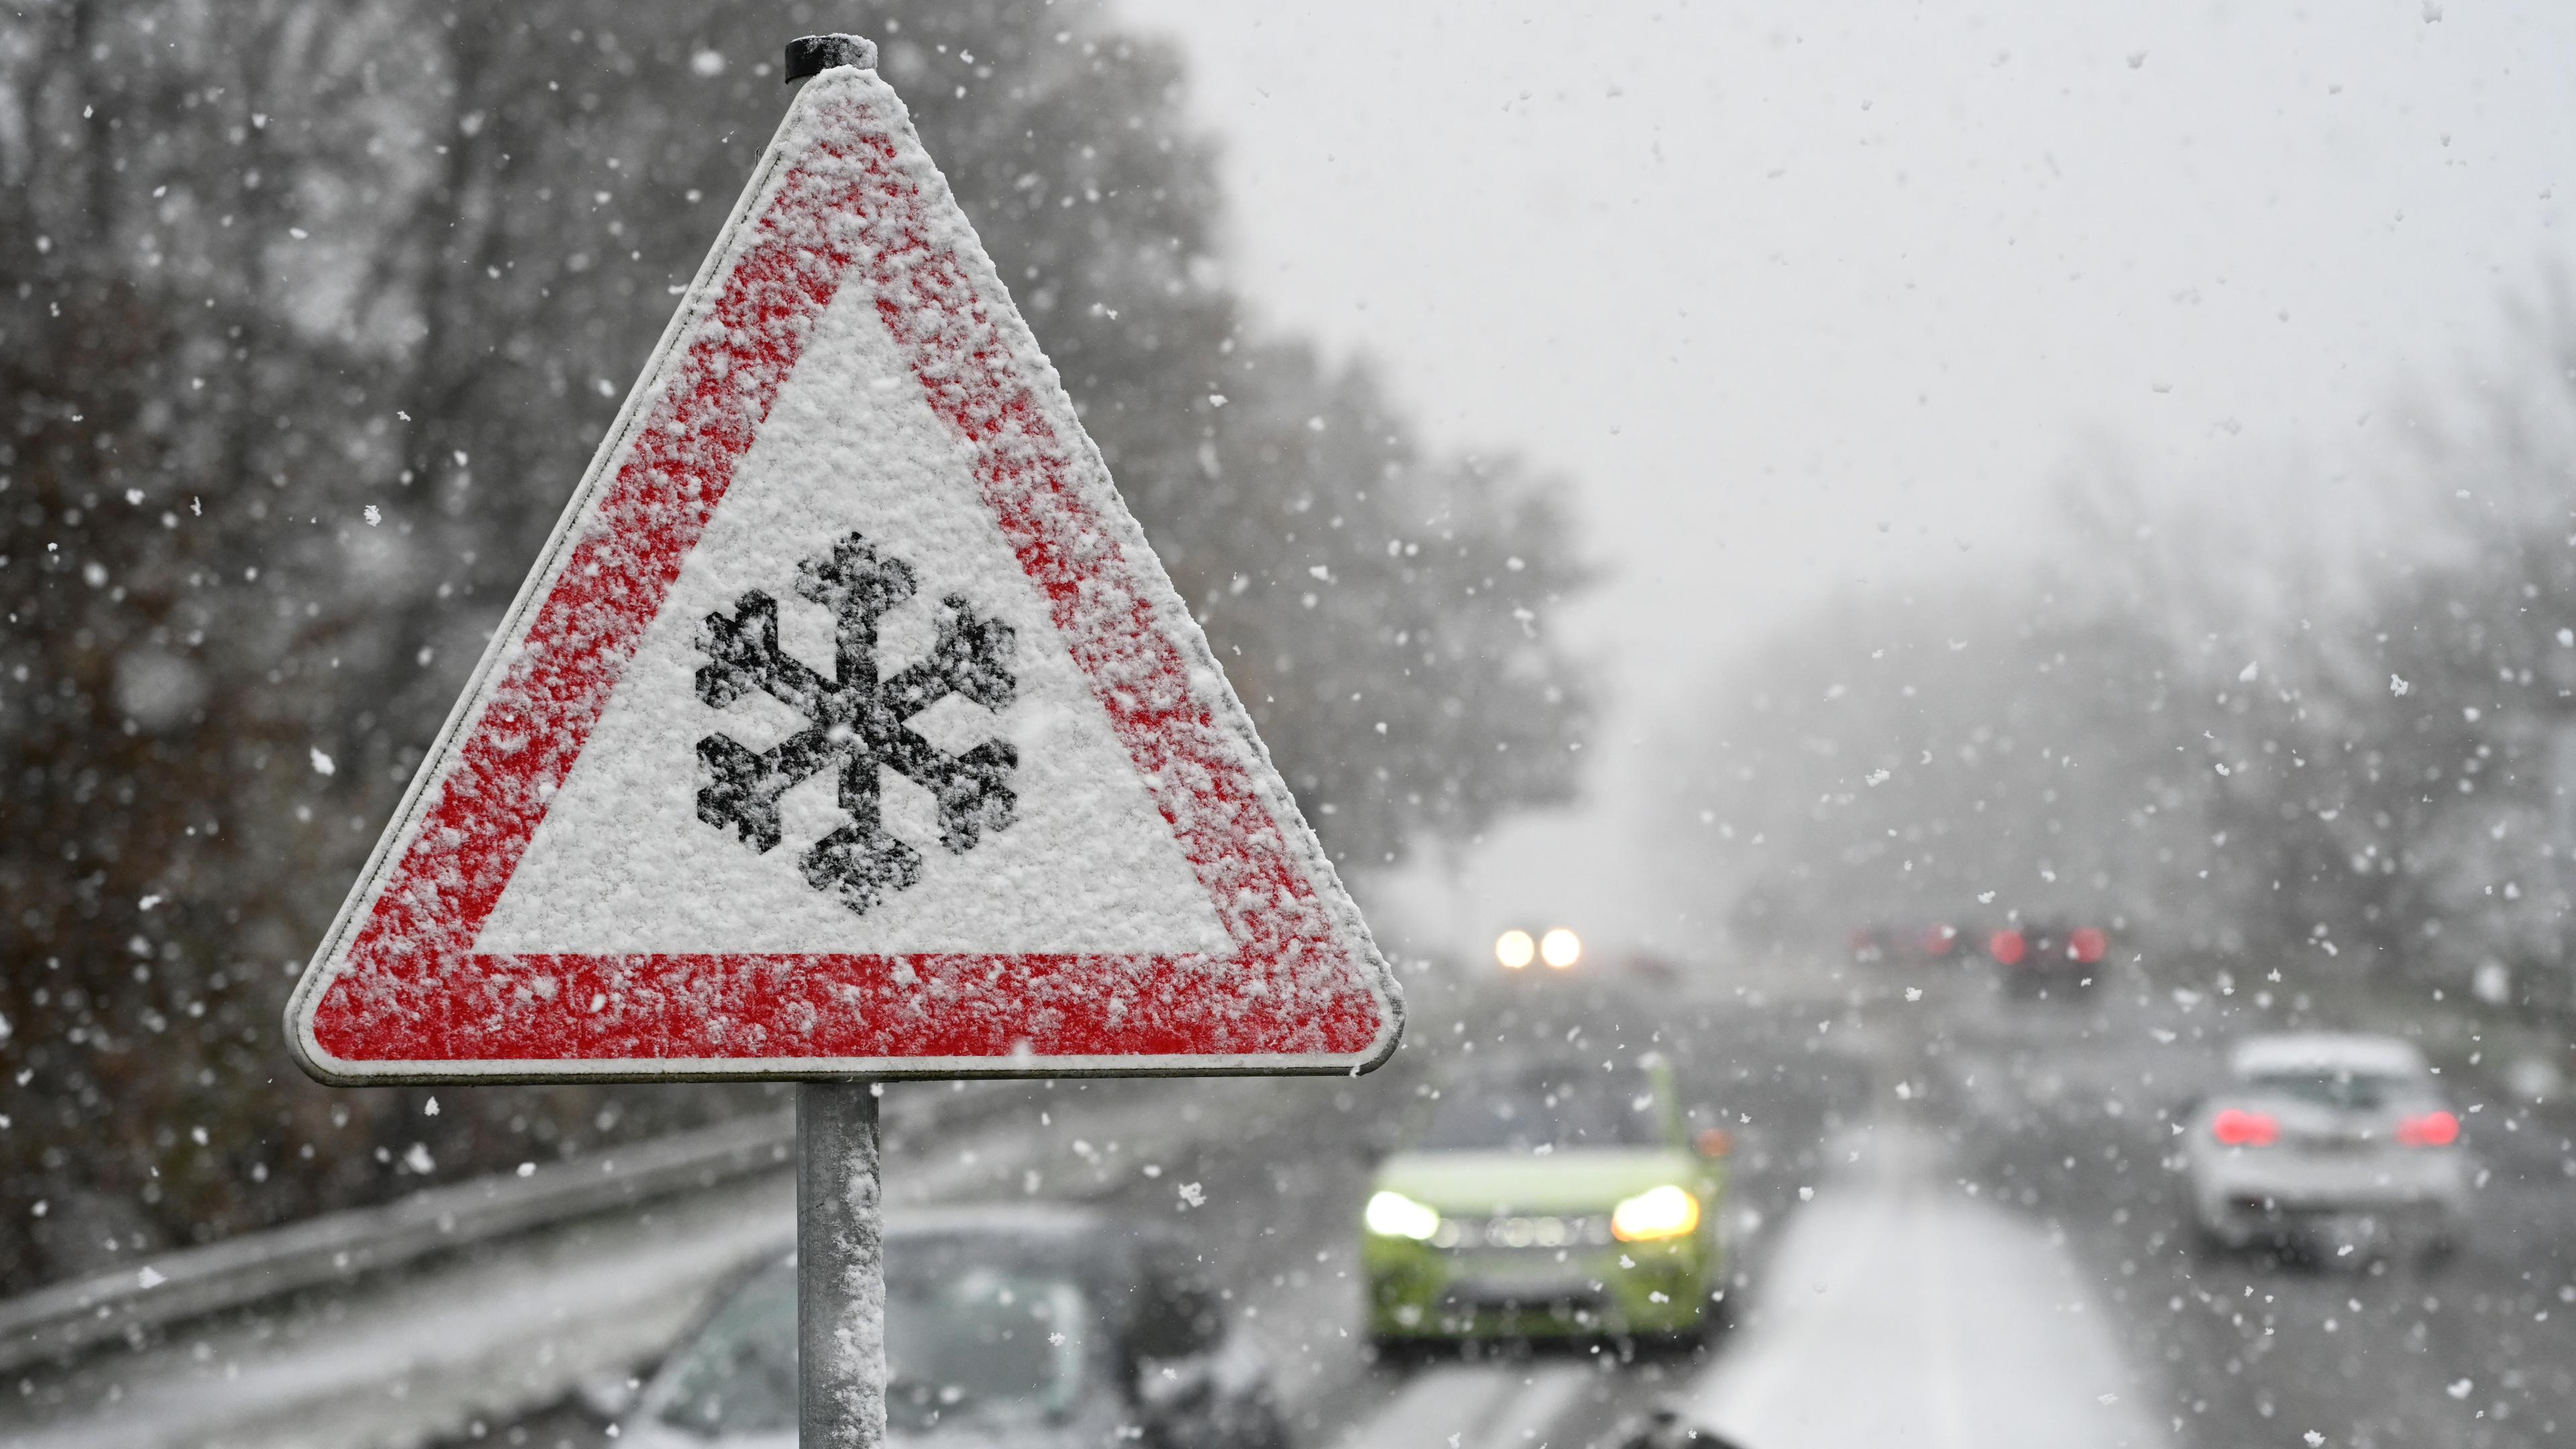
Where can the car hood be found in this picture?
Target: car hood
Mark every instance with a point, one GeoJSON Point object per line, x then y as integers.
{"type": "Point", "coordinates": [1589, 1180]}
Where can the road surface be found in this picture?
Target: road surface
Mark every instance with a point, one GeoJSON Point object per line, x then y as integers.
{"type": "Point", "coordinates": [1960, 1228]}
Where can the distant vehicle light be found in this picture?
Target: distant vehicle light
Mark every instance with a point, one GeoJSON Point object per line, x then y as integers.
{"type": "Point", "coordinates": [1560, 948]}
{"type": "Point", "coordinates": [1393, 1215]}
{"type": "Point", "coordinates": [2008, 947]}
{"type": "Point", "coordinates": [2237, 1127]}
{"type": "Point", "coordinates": [2087, 944]}
{"type": "Point", "coordinates": [2429, 1129]}
{"type": "Point", "coordinates": [1514, 949]}
{"type": "Point", "coordinates": [1656, 1213]}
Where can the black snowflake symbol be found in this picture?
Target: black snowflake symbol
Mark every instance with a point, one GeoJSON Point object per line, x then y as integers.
{"type": "Point", "coordinates": [856, 721]}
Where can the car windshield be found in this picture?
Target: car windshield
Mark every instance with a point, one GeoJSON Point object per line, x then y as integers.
{"type": "Point", "coordinates": [966, 1342]}
{"type": "Point", "coordinates": [1545, 1113]}
{"type": "Point", "coordinates": [2344, 1090]}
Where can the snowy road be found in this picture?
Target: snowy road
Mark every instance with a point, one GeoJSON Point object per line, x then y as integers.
{"type": "Point", "coordinates": [1902, 1311]}
{"type": "Point", "coordinates": [1960, 1233]}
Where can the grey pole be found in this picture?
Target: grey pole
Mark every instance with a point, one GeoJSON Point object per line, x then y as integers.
{"type": "Point", "coordinates": [840, 1269]}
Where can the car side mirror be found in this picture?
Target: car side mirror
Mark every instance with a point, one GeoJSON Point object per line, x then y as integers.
{"type": "Point", "coordinates": [1713, 1142]}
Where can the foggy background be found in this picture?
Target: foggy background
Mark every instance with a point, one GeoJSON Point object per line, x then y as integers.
{"type": "Point", "coordinates": [1817, 300]}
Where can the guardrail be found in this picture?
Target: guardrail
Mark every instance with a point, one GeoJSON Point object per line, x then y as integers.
{"type": "Point", "coordinates": [67, 1318]}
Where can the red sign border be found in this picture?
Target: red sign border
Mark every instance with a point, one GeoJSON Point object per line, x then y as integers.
{"type": "Point", "coordinates": [397, 992]}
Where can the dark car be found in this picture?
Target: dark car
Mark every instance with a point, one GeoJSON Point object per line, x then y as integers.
{"type": "Point", "coordinates": [2049, 960]}
{"type": "Point", "coordinates": [1031, 1326]}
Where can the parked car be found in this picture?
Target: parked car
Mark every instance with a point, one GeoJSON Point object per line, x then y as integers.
{"type": "Point", "coordinates": [1548, 1200]}
{"type": "Point", "coordinates": [2330, 1144]}
{"type": "Point", "coordinates": [1030, 1326]}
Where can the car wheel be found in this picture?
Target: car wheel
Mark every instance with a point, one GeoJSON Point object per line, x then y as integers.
{"type": "Point", "coordinates": [2439, 1247]}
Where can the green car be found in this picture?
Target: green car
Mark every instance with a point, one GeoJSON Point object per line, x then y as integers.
{"type": "Point", "coordinates": [1548, 1200]}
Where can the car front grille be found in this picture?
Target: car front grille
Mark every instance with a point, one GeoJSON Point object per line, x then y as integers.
{"type": "Point", "coordinates": [1542, 1230]}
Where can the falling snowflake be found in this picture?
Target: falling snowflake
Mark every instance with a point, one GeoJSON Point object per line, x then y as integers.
{"type": "Point", "coordinates": [856, 721]}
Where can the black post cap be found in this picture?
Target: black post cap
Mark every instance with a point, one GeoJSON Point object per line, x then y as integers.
{"type": "Point", "coordinates": [811, 55]}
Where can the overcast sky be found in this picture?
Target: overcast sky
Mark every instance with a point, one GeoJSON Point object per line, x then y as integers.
{"type": "Point", "coordinates": [1805, 292]}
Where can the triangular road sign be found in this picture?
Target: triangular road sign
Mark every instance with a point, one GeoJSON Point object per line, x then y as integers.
{"type": "Point", "coordinates": [847, 725]}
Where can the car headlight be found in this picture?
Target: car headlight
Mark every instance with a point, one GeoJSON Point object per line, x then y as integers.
{"type": "Point", "coordinates": [1658, 1212]}
{"type": "Point", "coordinates": [1393, 1215]}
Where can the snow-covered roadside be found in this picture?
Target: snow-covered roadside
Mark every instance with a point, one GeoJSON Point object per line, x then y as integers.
{"type": "Point", "coordinates": [1899, 1313]}
{"type": "Point", "coordinates": [496, 1334]}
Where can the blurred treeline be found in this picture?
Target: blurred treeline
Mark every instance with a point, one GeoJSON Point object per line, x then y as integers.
{"type": "Point", "coordinates": [311, 312]}
{"type": "Point", "coordinates": [2334, 740]}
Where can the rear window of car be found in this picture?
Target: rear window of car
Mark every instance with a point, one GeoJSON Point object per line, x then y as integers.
{"type": "Point", "coordinates": [2348, 1090]}
{"type": "Point", "coordinates": [969, 1341]}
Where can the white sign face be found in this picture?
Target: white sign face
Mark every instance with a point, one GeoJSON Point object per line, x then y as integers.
{"type": "Point", "coordinates": [622, 863]}
{"type": "Point", "coordinates": [847, 725]}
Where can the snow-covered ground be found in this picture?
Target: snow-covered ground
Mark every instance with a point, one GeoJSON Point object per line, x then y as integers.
{"type": "Point", "coordinates": [1899, 1311]}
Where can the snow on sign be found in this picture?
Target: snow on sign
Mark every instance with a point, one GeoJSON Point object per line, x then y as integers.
{"type": "Point", "coordinates": [847, 725]}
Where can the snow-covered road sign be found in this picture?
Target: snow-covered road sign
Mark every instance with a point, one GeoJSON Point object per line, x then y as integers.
{"type": "Point", "coordinates": [847, 725]}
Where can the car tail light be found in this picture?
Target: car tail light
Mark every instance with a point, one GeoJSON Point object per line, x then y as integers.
{"type": "Point", "coordinates": [2087, 945]}
{"type": "Point", "coordinates": [2007, 947]}
{"type": "Point", "coordinates": [2429, 1129]}
{"type": "Point", "coordinates": [2239, 1128]}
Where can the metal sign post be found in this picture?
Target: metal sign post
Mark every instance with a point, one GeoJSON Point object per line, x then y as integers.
{"type": "Point", "coordinates": [840, 1268]}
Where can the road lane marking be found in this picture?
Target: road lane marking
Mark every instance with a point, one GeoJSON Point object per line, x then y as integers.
{"type": "Point", "coordinates": [1474, 1406]}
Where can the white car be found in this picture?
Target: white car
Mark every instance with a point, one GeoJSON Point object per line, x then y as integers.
{"type": "Point", "coordinates": [2328, 1144]}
